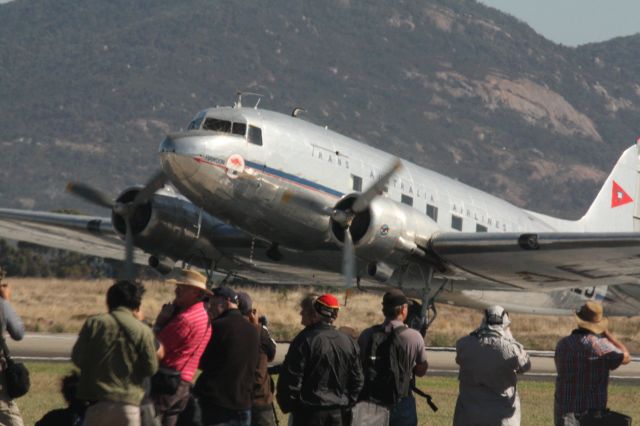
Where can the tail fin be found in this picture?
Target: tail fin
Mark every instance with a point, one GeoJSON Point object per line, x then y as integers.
{"type": "Point", "coordinates": [616, 208]}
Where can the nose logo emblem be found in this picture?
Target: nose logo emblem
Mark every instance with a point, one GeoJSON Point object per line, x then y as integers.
{"type": "Point", "coordinates": [234, 166]}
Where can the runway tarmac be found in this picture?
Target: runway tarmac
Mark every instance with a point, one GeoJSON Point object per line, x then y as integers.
{"type": "Point", "coordinates": [57, 347]}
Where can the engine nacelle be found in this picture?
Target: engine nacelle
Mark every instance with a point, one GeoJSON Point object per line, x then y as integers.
{"type": "Point", "coordinates": [172, 227]}
{"type": "Point", "coordinates": [387, 231]}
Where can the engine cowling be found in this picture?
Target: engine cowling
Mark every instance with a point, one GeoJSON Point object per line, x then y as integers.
{"type": "Point", "coordinates": [171, 227]}
{"type": "Point", "coordinates": [387, 231]}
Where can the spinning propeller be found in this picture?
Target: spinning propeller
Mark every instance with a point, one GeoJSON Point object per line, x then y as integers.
{"type": "Point", "coordinates": [124, 209]}
{"type": "Point", "coordinates": [344, 216]}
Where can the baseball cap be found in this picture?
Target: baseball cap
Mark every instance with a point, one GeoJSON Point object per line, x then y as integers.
{"type": "Point", "coordinates": [226, 293]}
{"type": "Point", "coordinates": [327, 305]}
{"type": "Point", "coordinates": [394, 298]}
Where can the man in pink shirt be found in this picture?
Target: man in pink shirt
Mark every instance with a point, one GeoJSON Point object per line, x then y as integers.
{"type": "Point", "coordinates": [184, 330]}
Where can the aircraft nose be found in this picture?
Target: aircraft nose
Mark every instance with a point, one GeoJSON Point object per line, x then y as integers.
{"type": "Point", "coordinates": [176, 158]}
{"type": "Point", "coordinates": [168, 145]}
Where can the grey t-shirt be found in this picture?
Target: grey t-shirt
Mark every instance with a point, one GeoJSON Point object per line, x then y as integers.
{"type": "Point", "coordinates": [12, 321]}
{"type": "Point", "coordinates": [412, 342]}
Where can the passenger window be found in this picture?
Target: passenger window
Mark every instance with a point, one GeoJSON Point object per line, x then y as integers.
{"type": "Point", "coordinates": [216, 125]}
{"type": "Point", "coordinates": [356, 183]}
{"type": "Point", "coordinates": [432, 212]}
{"type": "Point", "coordinates": [456, 222]}
{"type": "Point", "coordinates": [480, 228]}
{"type": "Point", "coordinates": [405, 199]}
{"type": "Point", "coordinates": [255, 135]}
{"type": "Point", "coordinates": [239, 129]}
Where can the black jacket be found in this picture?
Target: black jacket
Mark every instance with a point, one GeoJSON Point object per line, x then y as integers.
{"type": "Point", "coordinates": [321, 369]}
{"type": "Point", "coordinates": [229, 363]}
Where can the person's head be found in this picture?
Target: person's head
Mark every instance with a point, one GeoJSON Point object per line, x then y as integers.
{"type": "Point", "coordinates": [69, 387]}
{"type": "Point", "coordinates": [591, 317]}
{"type": "Point", "coordinates": [245, 304]}
{"type": "Point", "coordinates": [395, 305]}
{"type": "Point", "coordinates": [496, 316]}
{"type": "Point", "coordinates": [5, 290]}
{"type": "Point", "coordinates": [307, 312]}
{"type": "Point", "coordinates": [223, 300]}
{"type": "Point", "coordinates": [191, 287]}
{"type": "Point", "coordinates": [327, 307]}
{"type": "Point", "coordinates": [126, 294]}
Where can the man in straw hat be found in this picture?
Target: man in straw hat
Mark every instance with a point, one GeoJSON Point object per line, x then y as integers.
{"type": "Point", "coordinates": [321, 376]}
{"type": "Point", "coordinates": [583, 361]}
{"type": "Point", "coordinates": [183, 329]}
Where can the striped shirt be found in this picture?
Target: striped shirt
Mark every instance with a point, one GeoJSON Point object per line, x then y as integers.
{"type": "Point", "coordinates": [185, 338]}
{"type": "Point", "coordinates": [583, 361]}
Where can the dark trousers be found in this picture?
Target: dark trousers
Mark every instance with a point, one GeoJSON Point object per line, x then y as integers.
{"type": "Point", "coordinates": [215, 415]}
{"type": "Point", "coordinates": [404, 412]}
{"type": "Point", "coordinates": [322, 417]}
{"type": "Point", "coordinates": [262, 416]}
{"type": "Point", "coordinates": [168, 407]}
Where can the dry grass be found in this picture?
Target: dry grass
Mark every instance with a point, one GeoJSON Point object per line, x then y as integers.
{"type": "Point", "coordinates": [51, 305]}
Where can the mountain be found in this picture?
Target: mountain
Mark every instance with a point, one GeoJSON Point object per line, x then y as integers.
{"type": "Point", "coordinates": [89, 88]}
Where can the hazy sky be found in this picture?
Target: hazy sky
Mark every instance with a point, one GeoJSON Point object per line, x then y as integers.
{"type": "Point", "coordinates": [574, 22]}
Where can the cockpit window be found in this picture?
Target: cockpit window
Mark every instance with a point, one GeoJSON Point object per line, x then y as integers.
{"type": "Point", "coordinates": [255, 135]}
{"type": "Point", "coordinates": [239, 129]}
{"type": "Point", "coordinates": [196, 122]}
{"type": "Point", "coordinates": [217, 125]}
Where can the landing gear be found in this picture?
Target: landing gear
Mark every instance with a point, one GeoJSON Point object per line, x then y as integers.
{"type": "Point", "coordinates": [422, 315]}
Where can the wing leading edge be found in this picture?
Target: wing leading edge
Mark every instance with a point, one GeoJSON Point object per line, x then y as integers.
{"type": "Point", "coordinates": [541, 261]}
{"type": "Point", "coordinates": [91, 235]}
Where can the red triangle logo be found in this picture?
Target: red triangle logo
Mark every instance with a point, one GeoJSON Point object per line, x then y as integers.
{"type": "Point", "coordinates": [618, 196]}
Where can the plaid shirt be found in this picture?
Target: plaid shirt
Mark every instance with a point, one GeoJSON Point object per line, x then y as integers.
{"type": "Point", "coordinates": [185, 338]}
{"type": "Point", "coordinates": [583, 361]}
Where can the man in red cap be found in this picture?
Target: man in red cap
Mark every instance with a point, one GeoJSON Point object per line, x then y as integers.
{"type": "Point", "coordinates": [583, 361]}
{"type": "Point", "coordinates": [321, 376]}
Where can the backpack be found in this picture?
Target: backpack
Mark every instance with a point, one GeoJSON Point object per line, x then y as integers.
{"type": "Point", "coordinates": [387, 375]}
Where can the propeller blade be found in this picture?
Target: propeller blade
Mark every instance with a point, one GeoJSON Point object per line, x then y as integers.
{"type": "Point", "coordinates": [129, 268]}
{"type": "Point", "coordinates": [348, 259]}
{"type": "Point", "coordinates": [156, 182]}
{"type": "Point", "coordinates": [90, 194]}
{"type": "Point", "coordinates": [364, 199]}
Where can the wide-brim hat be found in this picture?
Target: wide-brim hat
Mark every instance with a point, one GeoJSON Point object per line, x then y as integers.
{"type": "Point", "coordinates": [190, 278]}
{"type": "Point", "coordinates": [591, 317]}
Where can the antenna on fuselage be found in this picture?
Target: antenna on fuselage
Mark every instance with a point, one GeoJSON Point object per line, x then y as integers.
{"type": "Point", "coordinates": [297, 111]}
{"type": "Point", "coordinates": [239, 95]}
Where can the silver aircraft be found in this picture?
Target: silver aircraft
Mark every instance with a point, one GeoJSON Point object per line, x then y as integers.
{"type": "Point", "coordinates": [277, 199]}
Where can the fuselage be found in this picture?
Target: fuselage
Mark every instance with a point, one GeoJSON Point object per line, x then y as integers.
{"type": "Point", "coordinates": [267, 191]}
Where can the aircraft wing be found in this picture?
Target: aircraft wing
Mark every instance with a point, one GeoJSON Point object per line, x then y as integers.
{"type": "Point", "coordinates": [541, 261]}
{"type": "Point", "coordinates": [89, 235]}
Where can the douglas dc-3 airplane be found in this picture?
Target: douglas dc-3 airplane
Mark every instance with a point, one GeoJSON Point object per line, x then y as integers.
{"type": "Point", "coordinates": [277, 199]}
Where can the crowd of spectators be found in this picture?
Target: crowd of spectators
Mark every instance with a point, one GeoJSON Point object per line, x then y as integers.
{"type": "Point", "coordinates": [130, 373]}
